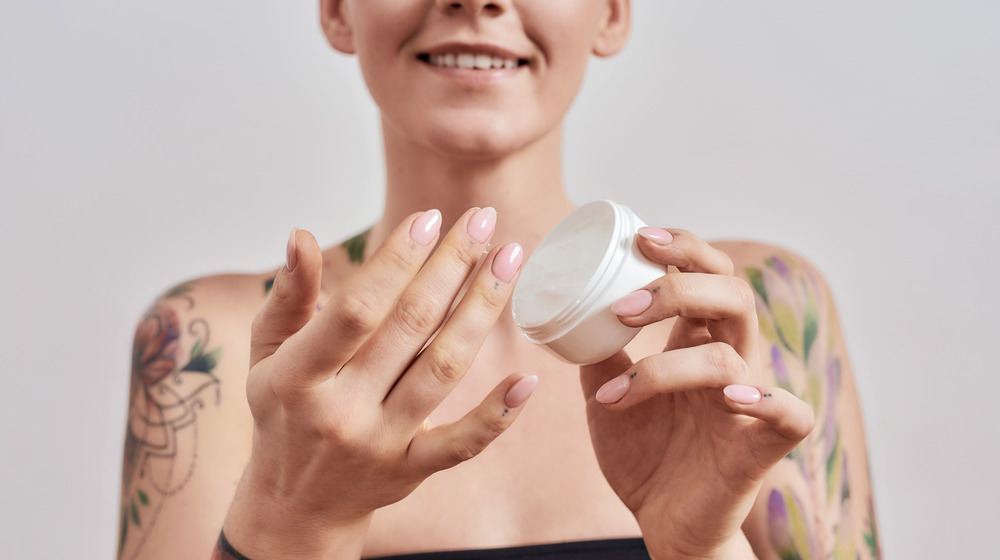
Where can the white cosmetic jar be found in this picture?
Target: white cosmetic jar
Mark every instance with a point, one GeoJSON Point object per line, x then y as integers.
{"type": "Point", "coordinates": [562, 301]}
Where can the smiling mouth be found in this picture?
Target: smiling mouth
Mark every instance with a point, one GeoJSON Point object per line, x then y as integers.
{"type": "Point", "coordinates": [471, 61]}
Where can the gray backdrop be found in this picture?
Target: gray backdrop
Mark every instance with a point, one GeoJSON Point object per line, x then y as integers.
{"type": "Point", "coordinates": [143, 143]}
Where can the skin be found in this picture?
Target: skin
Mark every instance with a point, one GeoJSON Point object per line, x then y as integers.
{"type": "Point", "coordinates": [328, 445]}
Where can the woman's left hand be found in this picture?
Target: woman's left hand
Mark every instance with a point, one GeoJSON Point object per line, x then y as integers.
{"type": "Point", "coordinates": [686, 437]}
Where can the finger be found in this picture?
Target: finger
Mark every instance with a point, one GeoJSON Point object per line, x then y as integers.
{"type": "Point", "coordinates": [593, 376]}
{"type": "Point", "coordinates": [446, 359]}
{"type": "Point", "coordinates": [725, 303]}
{"type": "Point", "coordinates": [684, 250]}
{"type": "Point", "coordinates": [326, 343]}
{"type": "Point", "coordinates": [291, 302]}
{"type": "Point", "coordinates": [714, 365]}
{"type": "Point", "coordinates": [424, 304]}
{"type": "Point", "coordinates": [787, 420]}
{"type": "Point", "coordinates": [450, 444]}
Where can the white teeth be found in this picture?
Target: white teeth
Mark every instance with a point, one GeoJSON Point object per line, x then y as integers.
{"type": "Point", "coordinates": [466, 60]}
{"type": "Point", "coordinates": [471, 61]}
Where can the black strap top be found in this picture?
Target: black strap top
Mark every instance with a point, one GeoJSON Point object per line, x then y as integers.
{"type": "Point", "coordinates": [616, 549]}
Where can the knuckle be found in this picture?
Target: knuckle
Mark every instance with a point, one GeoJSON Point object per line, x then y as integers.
{"type": "Point", "coordinates": [805, 427]}
{"type": "Point", "coordinates": [493, 300]}
{"type": "Point", "coordinates": [472, 444]}
{"type": "Point", "coordinates": [259, 325]}
{"type": "Point", "coordinates": [676, 284]}
{"type": "Point", "coordinates": [725, 359]}
{"type": "Point", "coordinates": [726, 263]}
{"type": "Point", "coordinates": [355, 315]}
{"type": "Point", "coordinates": [416, 314]}
{"type": "Point", "coordinates": [397, 257]}
{"type": "Point", "coordinates": [493, 425]}
{"type": "Point", "coordinates": [444, 364]}
{"type": "Point", "coordinates": [744, 294]}
{"type": "Point", "coordinates": [465, 448]}
{"type": "Point", "coordinates": [462, 259]}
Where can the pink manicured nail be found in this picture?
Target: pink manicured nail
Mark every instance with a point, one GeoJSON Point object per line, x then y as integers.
{"type": "Point", "coordinates": [291, 256]}
{"type": "Point", "coordinates": [425, 228]}
{"type": "Point", "coordinates": [614, 390]}
{"type": "Point", "coordinates": [742, 394]}
{"type": "Point", "coordinates": [482, 223]}
{"type": "Point", "coordinates": [632, 304]}
{"type": "Point", "coordinates": [656, 235]}
{"type": "Point", "coordinates": [507, 261]}
{"type": "Point", "coordinates": [520, 392]}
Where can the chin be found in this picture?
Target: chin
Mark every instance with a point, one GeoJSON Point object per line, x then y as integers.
{"type": "Point", "coordinates": [479, 139]}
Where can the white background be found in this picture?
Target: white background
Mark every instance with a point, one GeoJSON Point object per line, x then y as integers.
{"type": "Point", "coordinates": [143, 143]}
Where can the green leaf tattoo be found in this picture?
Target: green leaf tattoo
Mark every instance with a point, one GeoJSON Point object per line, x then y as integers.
{"type": "Point", "coordinates": [792, 319]}
{"type": "Point", "coordinates": [356, 247]}
{"type": "Point", "coordinates": [135, 514]}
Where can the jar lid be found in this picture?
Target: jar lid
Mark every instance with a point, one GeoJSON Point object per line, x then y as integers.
{"type": "Point", "coordinates": [568, 266]}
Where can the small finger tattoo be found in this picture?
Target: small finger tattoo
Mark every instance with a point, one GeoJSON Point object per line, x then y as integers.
{"type": "Point", "coordinates": [634, 373]}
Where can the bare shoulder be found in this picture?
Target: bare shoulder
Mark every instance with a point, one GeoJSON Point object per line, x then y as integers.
{"type": "Point", "coordinates": [188, 427]}
{"type": "Point", "coordinates": [818, 501]}
{"type": "Point", "coordinates": [750, 255]}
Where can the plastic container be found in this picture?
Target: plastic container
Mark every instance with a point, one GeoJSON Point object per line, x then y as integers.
{"type": "Point", "coordinates": [563, 298]}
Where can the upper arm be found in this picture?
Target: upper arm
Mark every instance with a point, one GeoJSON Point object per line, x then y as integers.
{"type": "Point", "coordinates": [817, 503]}
{"type": "Point", "coordinates": [188, 429]}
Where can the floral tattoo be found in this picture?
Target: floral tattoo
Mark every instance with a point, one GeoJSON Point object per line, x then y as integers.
{"type": "Point", "coordinates": [806, 362]}
{"type": "Point", "coordinates": [166, 393]}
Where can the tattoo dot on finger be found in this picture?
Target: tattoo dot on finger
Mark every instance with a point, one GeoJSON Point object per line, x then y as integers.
{"type": "Point", "coordinates": [505, 411]}
{"type": "Point", "coordinates": [634, 373]}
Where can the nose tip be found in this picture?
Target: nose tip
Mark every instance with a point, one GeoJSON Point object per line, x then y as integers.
{"type": "Point", "coordinates": [474, 7]}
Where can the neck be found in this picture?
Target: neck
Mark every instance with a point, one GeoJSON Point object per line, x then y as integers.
{"type": "Point", "coordinates": [525, 187]}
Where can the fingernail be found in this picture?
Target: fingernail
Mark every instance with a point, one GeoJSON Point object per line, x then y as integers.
{"type": "Point", "coordinates": [482, 223]}
{"type": "Point", "coordinates": [614, 390]}
{"type": "Point", "coordinates": [633, 304]}
{"type": "Point", "coordinates": [742, 394]}
{"type": "Point", "coordinates": [425, 228]}
{"type": "Point", "coordinates": [656, 235]}
{"type": "Point", "coordinates": [291, 257]}
{"type": "Point", "coordinates": [520, 392]}
{"type": "Point", "coordinates": [507, 261]}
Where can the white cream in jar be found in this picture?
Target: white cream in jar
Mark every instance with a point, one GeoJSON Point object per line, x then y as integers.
{"type": "Point", "coordinates": [563, 298]}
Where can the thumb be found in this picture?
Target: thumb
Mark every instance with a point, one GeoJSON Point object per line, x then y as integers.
{"type": "Point", "coordinates": [291, 302]}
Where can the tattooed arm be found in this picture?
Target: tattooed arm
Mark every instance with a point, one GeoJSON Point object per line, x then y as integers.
{"type": "Point", "coordinates": [188, 428]}
{"type": "Point", "coordinates": [817, 503]}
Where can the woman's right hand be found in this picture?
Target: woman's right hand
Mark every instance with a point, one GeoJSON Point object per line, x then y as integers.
{"type": "Point", "coordinates": [340, 397]}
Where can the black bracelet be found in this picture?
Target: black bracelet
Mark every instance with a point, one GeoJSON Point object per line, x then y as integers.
{"type": "Point", "coordinates": [226, 550]}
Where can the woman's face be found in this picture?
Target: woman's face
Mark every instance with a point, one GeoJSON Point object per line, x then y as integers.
{"type": "Point", "coordinates": [475, 78]}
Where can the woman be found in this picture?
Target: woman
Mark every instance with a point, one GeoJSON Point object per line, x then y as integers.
{"type": "Point", "coordinates": [699, 448]}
